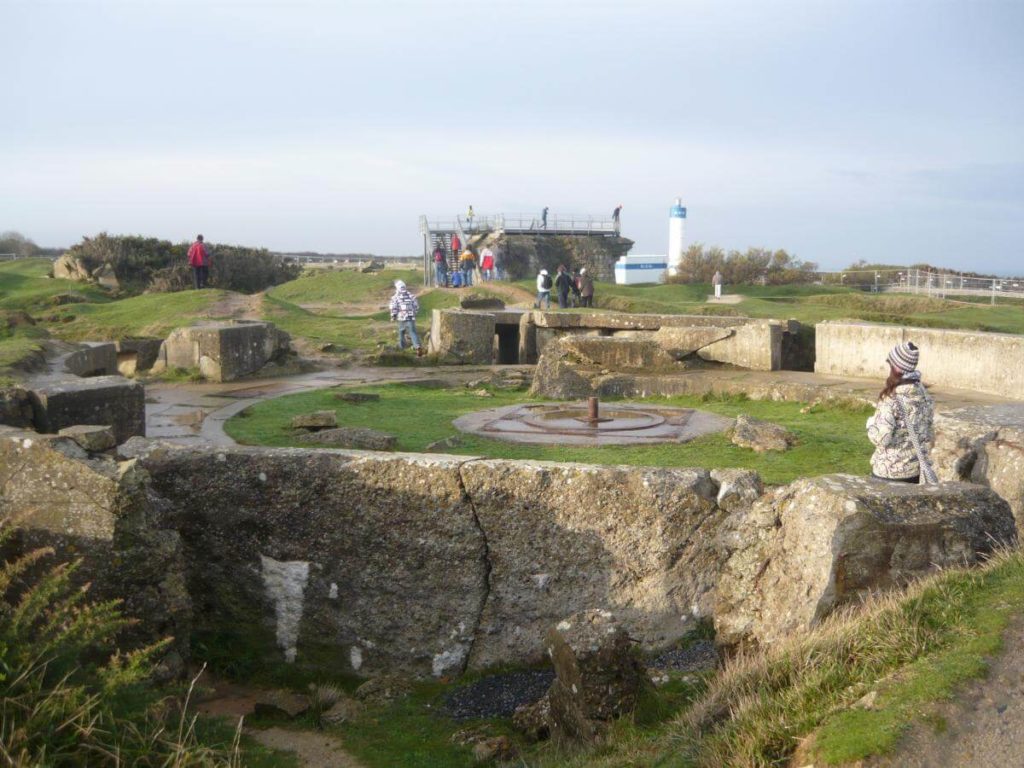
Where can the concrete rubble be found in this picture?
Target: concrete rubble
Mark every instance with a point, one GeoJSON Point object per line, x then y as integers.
{"type": "Point", "coordinates": [810, 547]}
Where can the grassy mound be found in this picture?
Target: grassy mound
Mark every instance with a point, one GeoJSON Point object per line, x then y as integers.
{"type": "Point", "coordinates": [25, 285]}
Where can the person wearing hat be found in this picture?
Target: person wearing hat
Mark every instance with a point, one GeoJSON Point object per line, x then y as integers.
{"type": "Point", "coordinates": [586, 286]}
{"type": "Point", "coordinates": [404, 307]}
{"type": "Point", "coordinates": [544, 284]}
{"type": "Point", "coordinates": [901, 427]}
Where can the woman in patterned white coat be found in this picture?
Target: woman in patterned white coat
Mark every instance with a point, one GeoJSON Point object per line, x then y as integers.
{"type": "Point", "coordinates": [903, 399]}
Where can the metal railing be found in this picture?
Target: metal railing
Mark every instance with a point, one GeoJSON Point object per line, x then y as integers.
{"type": "Point", "coordinates": [582, 224]}
{"type": "Point", "coordinates": [922, 282]}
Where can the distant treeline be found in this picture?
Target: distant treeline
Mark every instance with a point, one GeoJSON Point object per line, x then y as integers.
{"type": "Point", "coordinates": [755, 265]}
{"type": "Point", "coordinates": [23, 247]}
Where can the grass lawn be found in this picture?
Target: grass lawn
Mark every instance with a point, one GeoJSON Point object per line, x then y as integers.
{"type": "Point", "coordinates": [24, 285]}
{"type": "Point", "coordinates": [830, 439]}
{"type": "Point", "coordinates": [151, 314]}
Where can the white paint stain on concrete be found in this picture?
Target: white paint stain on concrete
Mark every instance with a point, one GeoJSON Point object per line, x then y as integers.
{"type": "Point", "coordinates": [355, 655]}
{"type": "Point", "coordinates": [333, 594]}
{"type": "Point", "coordinates": [285, 584]}
{"type": "Point", "coordinates": [449, 660]}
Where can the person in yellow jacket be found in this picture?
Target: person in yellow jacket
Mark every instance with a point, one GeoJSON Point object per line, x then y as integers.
{"type": "Point", "coordinates": [467, 263]}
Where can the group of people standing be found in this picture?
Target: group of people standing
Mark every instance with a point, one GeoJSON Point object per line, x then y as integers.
{"type": "Point", "coordinates": [580, 286]}
{"type": "Point", "coordinates": [462, 276]}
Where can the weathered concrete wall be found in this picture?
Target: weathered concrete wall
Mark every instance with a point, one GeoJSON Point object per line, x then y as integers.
{"type": "Point", "coordinates": [984, 362]}
{"type": "Point", "coordinates": [432, 564]}
{"type": "Point", "coordinates": [99, 511]}
{"type": "Point", "coordinates": [756, 345]}
{"type": "Point", "coordinates": [110, 401]}
{"type": "Point", "coordinates": [223, 351]}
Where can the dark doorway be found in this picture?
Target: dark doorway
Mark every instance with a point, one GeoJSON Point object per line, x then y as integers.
{"type": "Point", "coordinates": [508, 344]}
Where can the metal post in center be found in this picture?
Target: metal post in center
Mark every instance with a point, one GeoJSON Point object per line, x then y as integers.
{"type": "Point", "coordinates": [592, 408]}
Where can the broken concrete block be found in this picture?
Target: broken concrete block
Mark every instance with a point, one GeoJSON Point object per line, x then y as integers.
{"type": "Point", "coordinates": [223, 351]}
{"type": "Point", "coordinates": [93, 438]}
{"type": "Point", "coordinates": [107, 400]}
{"type": "Point", "coordinates": [360, 438]}
{"type": "Point", "coordinates": [829, 541]}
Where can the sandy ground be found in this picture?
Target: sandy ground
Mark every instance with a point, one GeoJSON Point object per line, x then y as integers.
{"type": "Point", "coordinates": [313, 748]}
{"type": "Point", "coordinates": [986, 721]}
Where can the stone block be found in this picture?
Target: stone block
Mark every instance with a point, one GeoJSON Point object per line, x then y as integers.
{"type": "Point", "coordinates": [137, 355]}
{"type": "Point", "coordinates": [15, 407]}
{"type": "Point", "coordinates": [818, 544]}
{"type": "Point", "coordinates": [106, 400]}
{"type": "Point", "coordinates": [463, 337]}
{"type": "Point", "coordinates": [984, 444]}
{"type": "Point", "coordinates": [92, 438]}
{"type": "Point", "coordinates": [90, 359]}
{"type": "Point", "coordinates": [562, 538]}
{"type": "Point", "coordinates": [315, 420]}
{"type": "Point", "coordinates": [223, 351]}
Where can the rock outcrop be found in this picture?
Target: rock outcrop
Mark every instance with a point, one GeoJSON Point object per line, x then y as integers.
{"type": "Point", "coordinates": [984, 444]}
{"type": "Point", "coordinates": [817, 544]}
{"type": "Point", "coordinates": [598, 675]}
{"type": "Point", "coordinates": [760, 436]}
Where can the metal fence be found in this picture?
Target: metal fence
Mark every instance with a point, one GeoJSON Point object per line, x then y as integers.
{"type": "Point", "coordinates": [923, 282]}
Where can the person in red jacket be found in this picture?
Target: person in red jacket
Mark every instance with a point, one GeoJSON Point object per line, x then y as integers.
{"type": "Point", "coordinates": [199, 260]}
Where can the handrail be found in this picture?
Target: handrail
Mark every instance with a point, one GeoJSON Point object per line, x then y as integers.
{"type": "Point", "coordinates": [522, 222]}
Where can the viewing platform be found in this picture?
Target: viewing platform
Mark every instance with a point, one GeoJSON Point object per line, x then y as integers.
{"type": "Point", "coordinates": [522, 224]}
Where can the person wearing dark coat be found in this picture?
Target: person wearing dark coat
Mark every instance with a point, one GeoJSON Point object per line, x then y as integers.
{"type": "Point", "coordinates": [563, 284]}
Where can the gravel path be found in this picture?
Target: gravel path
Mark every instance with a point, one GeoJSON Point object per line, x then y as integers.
{"type": "Point", "coordinates": [986, 722]}
{"type": "Point", "coordinates": [698, 656]}
{"type": "Point", "coordinates": [497, 695]}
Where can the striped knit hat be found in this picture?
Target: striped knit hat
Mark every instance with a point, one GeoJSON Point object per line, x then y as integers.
{"type": "Point", "coordinates": [903, 357]}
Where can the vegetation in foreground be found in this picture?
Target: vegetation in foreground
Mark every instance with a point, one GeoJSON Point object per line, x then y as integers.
{"type": "Point", "coordinates": [830, 438]}
{"type": "Point", "coordinates": [69, 697]}
{"type": "Point", "coordinates": [912, 650]}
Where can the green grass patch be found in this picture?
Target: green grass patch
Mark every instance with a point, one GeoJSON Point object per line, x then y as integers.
{"type": "Point", "coordinates": [25, 285]}
{"type": "Point", "coordinates": [829, 439]}
{"type": "Point", "coordinates": [151, 314]}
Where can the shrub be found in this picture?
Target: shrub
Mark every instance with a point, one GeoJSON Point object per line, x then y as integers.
{"type": "Point", "coordinates": [149, 264]}
{"type": "Point", "coordinates": [67, 696]}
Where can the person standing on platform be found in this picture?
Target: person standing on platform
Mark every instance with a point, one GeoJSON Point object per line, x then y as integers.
{"type": "Point", "coordinates": [616, 217]}
{"type": "Point", "coordinates": [716, 281]}
{"type": "Point", "coordinates": [456, 244]}
{"type": "Point", "coordinates": [544, 218]}
{"type": "Point", "coordinates": [199, 260]}
{"type": "Point", "coordinates": [586, 285]}
{"type": "Point", "coordinates": [469, 217]}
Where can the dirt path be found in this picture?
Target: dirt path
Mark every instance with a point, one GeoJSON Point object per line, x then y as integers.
{"type": "Point", "coordinates": [986, 722]}
{"type": "Point", "coordinates": [237, 306]}
{"type": "Point", "coordinates": [313, 748]}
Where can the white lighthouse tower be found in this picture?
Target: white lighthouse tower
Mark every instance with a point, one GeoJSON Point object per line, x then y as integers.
{"type": "Point", "coordinates": [676, 235]}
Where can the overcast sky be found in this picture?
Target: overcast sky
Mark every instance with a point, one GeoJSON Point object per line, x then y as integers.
{"type": "Point", "coordinates": [890, 131]}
